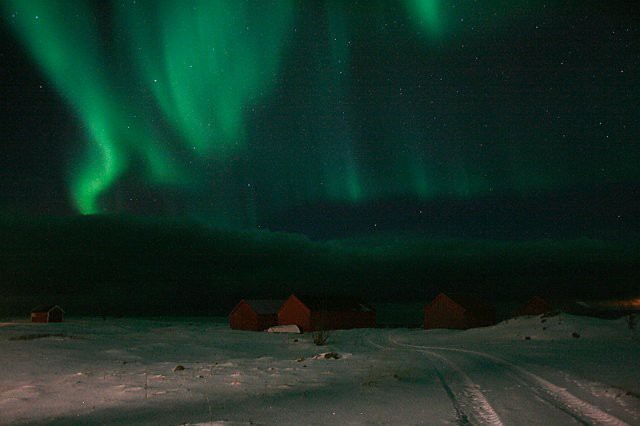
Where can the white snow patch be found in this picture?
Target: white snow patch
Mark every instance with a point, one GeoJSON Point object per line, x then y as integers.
{"type": "Point", "coordinates": [291, 328]}
{"type": "Point", "coordinates": [118, 372]}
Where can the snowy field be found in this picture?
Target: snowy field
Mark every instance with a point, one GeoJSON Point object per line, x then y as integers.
{"type": "Point", "coordinates": [121, 372]}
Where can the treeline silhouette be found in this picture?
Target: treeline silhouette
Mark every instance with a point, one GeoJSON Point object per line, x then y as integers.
{"type": "Point", "coordinates": [117, 265]}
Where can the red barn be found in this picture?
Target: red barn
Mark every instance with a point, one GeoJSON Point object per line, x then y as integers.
{"type": "Point", "coordinates": [458, 311]}
{"type": "Point", "coordinates": [534, 306]}
{"type": "Point", "coordinates": [254, 314]}
{"type": "Point", "coordinates": [47, 313]}
{"type": "Point", "coordinates": [311, 313]}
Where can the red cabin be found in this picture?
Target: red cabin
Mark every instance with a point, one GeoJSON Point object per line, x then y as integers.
{"type": "Point", "coordinates": [458, 311]}
{"type": "Point", "coordinates": [47, 313]}
{"type": "Point", "coordinates": [311, 313]}
{"type": "Point", "coordinates": [534, 306]}
{"type": "Point", "coordinates": [255, 314]}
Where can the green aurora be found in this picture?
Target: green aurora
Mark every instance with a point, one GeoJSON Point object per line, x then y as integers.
{"type": "Point", "coordinates": [202, 61]}
{"type": "Point", "coordinates": [226, 109]}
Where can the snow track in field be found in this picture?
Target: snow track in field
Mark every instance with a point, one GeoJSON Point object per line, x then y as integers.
{"type": "Point", "coordinates": [602, 391]}
{"type": "Point", "coordinates": [482, 412]}
{"type": "Point", "coordinates": [469, 403]}
{"type": "Point", "coordinates": [461, 417]}
{"type": "Point", "coordinates": [559, 397]}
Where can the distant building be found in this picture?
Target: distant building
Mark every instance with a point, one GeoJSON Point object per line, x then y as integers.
{"type": "Point", "coordinates": [255, 314]}
{"type": "Point", "coordinates": [609, 309]}
{"type": "Point", "coordinates": [47, 313]}
{"type": "Point", "coordinates": [458, 311]}
{"type": "Point", "coordinates": [534, 306]}
{"type": "Point", "coordinates": [312, 313]}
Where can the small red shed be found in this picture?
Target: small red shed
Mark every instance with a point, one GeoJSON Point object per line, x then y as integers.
{"type": "Point", "coordinates": [458, 311]}
{"type": "Point", "coordinates": [534, 306]}
{"type": "Point", "coordinates": [255, 314]}
{"type": "Point", "coordinates": [47, 313]}
{"type": "Point", "coordinates": [312, 313]}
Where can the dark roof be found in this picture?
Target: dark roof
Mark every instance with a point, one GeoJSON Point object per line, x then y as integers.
{"type": "Point", "coordinates": [595, 310]}
{"type": "Point", "coordinates": [45, 308]}
{"type": "Point", "coordinates": [265, 306]}
{"type": "Point", "coordinates": [470, 302]}
{"type": "Point", "coordinates": [334, 304]}
{"type": "Point", "coordinates": [536, 299]}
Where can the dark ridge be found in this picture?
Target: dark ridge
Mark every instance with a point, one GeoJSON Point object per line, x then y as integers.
{"type": "Point", "coordinates": [113, 265]}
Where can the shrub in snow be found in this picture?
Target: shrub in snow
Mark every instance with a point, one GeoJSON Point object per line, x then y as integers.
{"type": "Point", "coordinates": [320, 337]}
{"type": "Point", "coordinates": [632, 321]}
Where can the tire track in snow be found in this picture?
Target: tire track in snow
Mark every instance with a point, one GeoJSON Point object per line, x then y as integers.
{"type": "Point", "coordinates": [576, 407]}
{"type": "Point", "coordinates": [470, 404]}
{"type": "Point", "coordinates": [461, 417]}
{"type": "Point", "coordinates": [600, 391]}
{"type": "Point", "coordinates": [544, 397]}
{"type": "Point", "coordinates": [482, 411]}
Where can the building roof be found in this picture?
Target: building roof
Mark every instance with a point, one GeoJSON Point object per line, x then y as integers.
{"type": "Point", "coordinates": [469, 302]}
{"type": "Point", "coordinates": [45, 308]}
{"type": "Point", "coordinates": [265, 306]}
{"type": "Point", "coordinates": [334, 304]}
{"type": "Point", "coordinates": [536, 299]}
{"type": "Point", "coordinates": [534, 305]}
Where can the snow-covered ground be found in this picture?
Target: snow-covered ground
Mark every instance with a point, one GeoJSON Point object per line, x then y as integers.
{"type": "Point", "coordinates": [121, 372]}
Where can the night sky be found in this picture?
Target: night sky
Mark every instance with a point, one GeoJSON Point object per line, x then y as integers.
{"type": "Point", "coordinates": [466, 119]}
